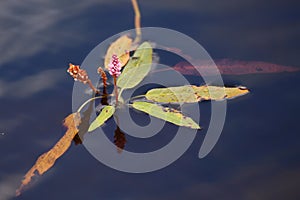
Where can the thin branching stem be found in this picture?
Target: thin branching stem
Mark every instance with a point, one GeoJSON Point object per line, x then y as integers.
{"type": "Point", "coordinates": [92, 86]}
{"type": "Point", "coordinates": [135, 97]}
{"type": "Point", "coordinates": [89, 100]}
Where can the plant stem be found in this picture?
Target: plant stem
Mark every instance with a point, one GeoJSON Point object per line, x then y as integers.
{"type": "Point", "coordinates": [92, 87]}
{"type": "Point", "coordinates": [135, 97]}
{"type": "Point", "coordinates": [137, 21]}
{"type": "Point", "coordinates": [87, 101]}
{"type": "Point", "coordinates": [120, 93]}
{"type": "Point", "coordinates": [116, 89]}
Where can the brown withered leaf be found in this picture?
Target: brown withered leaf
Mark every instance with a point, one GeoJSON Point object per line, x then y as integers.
{"type": "Point", "coordinates": [121, 48]}
{"type": "Point", "coordinates": [47, 160]}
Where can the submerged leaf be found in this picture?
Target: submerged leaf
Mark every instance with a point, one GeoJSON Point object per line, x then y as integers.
{"type": "Point", "coordinates": [47, 160]}
{"type": "Point", "coordinates": [167, 114]}
{"type": "Point", "coordinates": [121, 48]}
{"type": "Point", "coordinates": [191, 93]}
{"type": "Point", "coordinates": [137, 68]}
{"type": "Point", "coordinates": [232, 67]}
{"type": "Point", "coordinates": [104, 115]}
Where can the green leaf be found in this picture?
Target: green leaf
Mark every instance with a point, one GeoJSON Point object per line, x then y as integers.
{"type": "Point", "coordinates": [191, 93]}
{"type": "Point", "coordinates": [137, 67]}
{"type": "Point", "coordinates": [104, 115]}
{"type": "Point", "coordinates": [165, 113]}
{"type": "Point", "coordinates": [172, 94]}
{"type": "Point", "coordinates": [219, 93]}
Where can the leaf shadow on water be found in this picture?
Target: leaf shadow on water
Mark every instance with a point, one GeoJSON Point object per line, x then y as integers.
{"type": "Point", "coordinates": [119, 136]}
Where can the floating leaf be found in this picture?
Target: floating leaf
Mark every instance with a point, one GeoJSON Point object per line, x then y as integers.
{"type": "Point", "coordinates": [165, 113]}
{"type": "Point", "coordinates": [47, 160]}
{"type": "Point", "coordinates": [137, 68]}
{"type": "Point", "coordinates": [172, 94]}
{"type": "Point", "coordinates": [218, 93]}
{"type": "Point", "coordinates": [121, 48]}
{"type": "Point", "coordinates": [104, 115]}
{"type": "Point", "coordinates": [191, 93]}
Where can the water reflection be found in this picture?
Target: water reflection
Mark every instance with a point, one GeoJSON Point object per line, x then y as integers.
{"type": "Point", "coordinates": [119, 136]}
{"type": "Point", "coordinates": [119, 139]}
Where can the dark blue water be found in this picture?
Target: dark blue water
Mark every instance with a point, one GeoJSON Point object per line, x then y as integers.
{"type": "Point", "coordinates": [257, 156]}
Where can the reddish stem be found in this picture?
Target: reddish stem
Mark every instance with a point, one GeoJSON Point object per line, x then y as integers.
{"type": "Point", "coordinates": [116, 88]}
{"type": "Point", "coordinates": [92, 87]}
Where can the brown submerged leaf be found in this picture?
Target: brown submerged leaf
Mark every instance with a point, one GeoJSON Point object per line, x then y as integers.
{"type": "Point", "coordinates": [232, 67]}
{"type": "Point", "coordinates": [47, 160]}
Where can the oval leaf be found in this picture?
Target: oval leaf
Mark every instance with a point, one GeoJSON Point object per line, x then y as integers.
{"type": "Point", "coordinates": [104, 115]}
{"type": "Point", "coordinates": [137, 68]}
{"type": "Point", "coordinates": [121, 48]}
{"type": "Point", "coordinates": [192, 94]}
{"type": "Point", "coordinates": [165, 113]}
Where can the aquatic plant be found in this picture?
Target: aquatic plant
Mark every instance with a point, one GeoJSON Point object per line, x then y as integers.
{"type": "Point", "coordinates": [127, 72]}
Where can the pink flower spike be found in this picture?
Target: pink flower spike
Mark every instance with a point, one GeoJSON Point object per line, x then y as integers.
{"type": "Point", "coordinates": [114, 66]}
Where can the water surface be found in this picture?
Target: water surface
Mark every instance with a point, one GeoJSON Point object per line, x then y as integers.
{"type": "Point", "coordinates": [257, 156]}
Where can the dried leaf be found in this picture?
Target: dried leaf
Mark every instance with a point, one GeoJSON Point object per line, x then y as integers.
{"type": "Point", "coordinates": [165, 113]}
{"type": "Point", "coordinates": [104, 115]}
{"type": "Point", "coordinates": [121, 48]}
{"type": "Point", "coordinates": [192, 94]}
{"type": "Point", "coordinates": [47, 160]}
{"type": "Point", "coordinates": [137, 68]}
